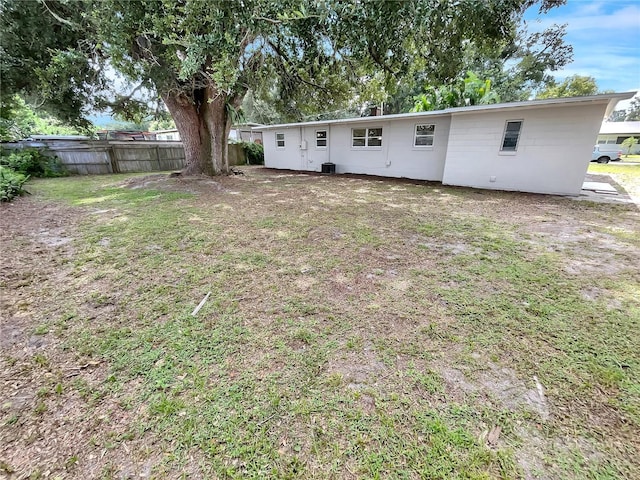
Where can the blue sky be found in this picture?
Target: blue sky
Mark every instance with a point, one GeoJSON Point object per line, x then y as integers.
{"type": "Point", "coordinates": [605, 35]}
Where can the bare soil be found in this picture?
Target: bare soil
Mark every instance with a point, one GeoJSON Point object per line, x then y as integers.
{"type": "Point", "coordinates": [40, 424]}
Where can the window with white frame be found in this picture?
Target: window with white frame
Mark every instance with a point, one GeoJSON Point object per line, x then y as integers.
{"type": "Point", "coordinates": [511, 136]}
{"type": "Point", "coordinates": [321, 139]}
{"type": "Point", "coordinates": [280, 140]}
{"type": "Point", "coordinates": [366, 137]}
{"type": "Point", "coordinates": [424, 135]}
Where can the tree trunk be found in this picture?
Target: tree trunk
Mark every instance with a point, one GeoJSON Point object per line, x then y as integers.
{"type": "Point", "coordinates": [204, 124]}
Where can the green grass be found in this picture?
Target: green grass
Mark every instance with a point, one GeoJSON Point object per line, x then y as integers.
{"type": "Point", "coordinates": [632, 171]}
{"type": "Point", "coordinates": [628, 176]}
{"type": "Point", "coordinates": [325, 347]}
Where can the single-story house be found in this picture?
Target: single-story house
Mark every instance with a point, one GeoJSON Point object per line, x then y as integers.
{"type": "Point", "coordinates": [614, 133]}
{"type": "Point", "coordinates": [126, 135]}
{"type": "Point", "coordinates": [245, 133]}
{"type": "Point", "coordinates": [541, 146]}
{"type": "Point", "coordinates": [238, 133]}
{"type": "Point", "coordinates": [170, 134]}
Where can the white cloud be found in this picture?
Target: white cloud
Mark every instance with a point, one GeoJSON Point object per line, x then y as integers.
{"type": "Point", "coordinates": [605, 38]}
{"type": "Point", "coordinates": [590, 8]}
{"type": "Point", "coordinates": [597, 22]}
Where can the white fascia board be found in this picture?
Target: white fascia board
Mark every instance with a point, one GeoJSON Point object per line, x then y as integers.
{"type": "Point", "coordinates": [374, 119]}
{"type": "Point", "coordinates": [609, 98]}
{"type": "Point", "coordinates": [620, 128]}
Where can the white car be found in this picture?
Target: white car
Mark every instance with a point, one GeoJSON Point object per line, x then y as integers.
{"type": "Point", "coordinates": [603, 154]}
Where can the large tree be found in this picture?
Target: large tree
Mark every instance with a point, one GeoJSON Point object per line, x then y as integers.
{"type": "Point", "coordinates": [468, 91]}
{"type": "Point", "coordinates": [518, 64]}
{"type": "Point", "coordinates": [47, 59]}
{"type": "Point", "coordinates": [202, 56]}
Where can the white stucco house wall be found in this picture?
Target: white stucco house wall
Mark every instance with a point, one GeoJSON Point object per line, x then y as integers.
{"type": "Point", "coordinates": [614, 133]}
{"type": "Point", "coordinates": [541, 146]}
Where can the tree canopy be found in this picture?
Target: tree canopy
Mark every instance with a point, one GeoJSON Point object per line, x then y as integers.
{"type": "Point", "coordinates": [573, 86]}
{"type": "Point", "coordinates": [49, 57]}
{"type": "Point", "coordinates": [202, 56]}
{"type": "Point", "coordinates": [470, 90]}
{"type": "Point", "coordinates": [630, 114]}
{"type": "Point", "coordinates": [633, 112]}
{"type": "Point", "coordinates": [24, 121]}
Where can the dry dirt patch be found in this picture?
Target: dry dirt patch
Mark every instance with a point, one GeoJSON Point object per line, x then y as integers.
{"type": "Point", "coordinates": [191, 184]}
{"type": "Point", "coordinates": [500, 384]}
{"type": "Point", "coordinates": [50, 419]}
{"type": "Point", "coordinates": [369, 267]}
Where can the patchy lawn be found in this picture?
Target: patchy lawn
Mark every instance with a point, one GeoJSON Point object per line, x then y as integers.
{"type": "Point", "coordinates": [356, 328]}
{"type": "Point", "coordinates": [625, 175]}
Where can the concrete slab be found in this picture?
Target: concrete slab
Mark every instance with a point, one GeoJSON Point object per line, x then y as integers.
{"type": "Point", "coordinates": [599, 187]}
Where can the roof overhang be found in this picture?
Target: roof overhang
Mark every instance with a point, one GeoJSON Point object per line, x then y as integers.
{"type": "Point", "coordinates": [620, 128]}
{"type": "Point", "coordinates": [58, 137]}
{"type": "Point", "coordinates": [610, 99]}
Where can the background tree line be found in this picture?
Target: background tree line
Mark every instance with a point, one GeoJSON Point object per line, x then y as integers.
{"type": "Point", "coordinates": [209, 63]}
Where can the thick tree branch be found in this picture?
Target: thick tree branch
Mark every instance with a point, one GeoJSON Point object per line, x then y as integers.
{"type": "Point", "coordinates": [378, 60]}
{"type": "Point", "coordinates": [295, 75]}
{"type": "Point", "coordinates": [56, 16]}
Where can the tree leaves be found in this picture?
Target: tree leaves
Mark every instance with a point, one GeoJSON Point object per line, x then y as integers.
{"type": "Point", "coordinates": [48, 57]}
{"type": "Point", "coordinates": [470, 90]}
{"type": "Point", "coordinates": [309, 56]}
{"type": "Point", "coordinates": [573, 86]}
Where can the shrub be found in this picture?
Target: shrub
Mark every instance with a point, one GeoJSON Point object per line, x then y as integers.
{"type": "Point", "coordinates": [26, 162]}
{"type": "Point", "coordinates": [11, 184]}
{"type": "Point", "coordinates": [254, 153]}
{"type": "Point", "coordinates": [33, 163]}
{"type": "Point", "coordinates": [629, 143]}
{"type": "Point", "coordinates": [53, 168]}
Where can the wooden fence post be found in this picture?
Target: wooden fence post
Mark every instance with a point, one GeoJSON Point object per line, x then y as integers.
{"type": "Point", "coordinates": [113, 157]}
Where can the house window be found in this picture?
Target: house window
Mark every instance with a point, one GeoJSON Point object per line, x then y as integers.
{"type": "Point", "coordinates": [321, 139]}
{"type": "Point", "coordinates": [511, 136]}
{"type": "Point", "coordinates": [424, 135]}
{"type": "Point", "coordinates": [619, 140]}
{"type": "Point", "coordinates": [280, 140]}
{"type": "Point", "coordinates": [366, 137]}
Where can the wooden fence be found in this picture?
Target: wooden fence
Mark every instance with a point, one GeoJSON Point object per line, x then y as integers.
{"type": "Point", "coordinates": [95, 157]}
{"type": "Point", "coordinates": [146, 156]}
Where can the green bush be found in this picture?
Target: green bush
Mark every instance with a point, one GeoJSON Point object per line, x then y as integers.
{"type": "Point", "coordinates": [54, 168]}
{"type": "Point", "coordinates": [254, 153]}
{"type": "Point", "coordinates": [33, 163]}
{"type": "Point", "coordinates": [11, 184]}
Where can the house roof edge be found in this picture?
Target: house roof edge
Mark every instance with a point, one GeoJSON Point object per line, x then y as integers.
{"type": "Point", "coordinates": [548, 102]}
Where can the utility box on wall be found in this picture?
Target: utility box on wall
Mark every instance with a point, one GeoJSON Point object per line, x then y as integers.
{"type": "Point", "coordinates": [328, 167]}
